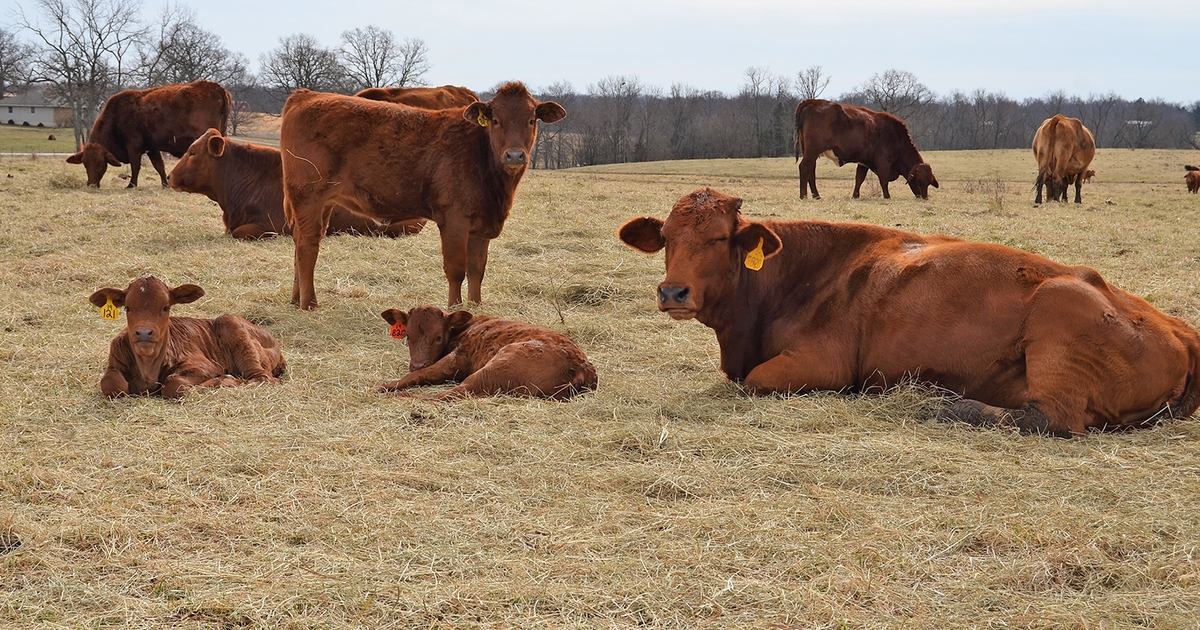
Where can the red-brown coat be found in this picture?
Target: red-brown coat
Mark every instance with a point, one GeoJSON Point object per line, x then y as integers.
{"type": "Point", "coordinates": [488, 355]}
{"type": "Point", "coordinates": [167, 118]}
{"type": "Point", "coordinates": [1063, 148]}
{"type": "Point", "coordinates": [246, 180]}
{"type": "Point", "coordinates": [877, 141]}
{"type": "Point", "coordinates": [458, 167]}
{"type": "Point", "coordinates": [444, 97]}
{"type": "Point", "coordinates": [851, 307]}
{"type": "Point", "coordinates": [160, 354]}
{"type": "Point", "coordinates": [1192, 179]}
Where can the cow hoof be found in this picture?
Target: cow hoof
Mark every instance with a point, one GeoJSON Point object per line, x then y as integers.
{"type": "Point", "coordinates": [131, 185]}
{"type": "Point", "coordinates": [966, 411]}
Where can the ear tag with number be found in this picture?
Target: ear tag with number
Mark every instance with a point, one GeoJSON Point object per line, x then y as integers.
{"type": "Point", "coordinates": [483, 119]}
{"type": "Point", "coordinates": [398, 330]}
{"type": "Point", "coordinates": [109, 311]}
{"type": "Point", "coordinates": [754, 260]}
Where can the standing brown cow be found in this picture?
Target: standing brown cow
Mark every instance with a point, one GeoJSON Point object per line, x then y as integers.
{"type": "Point", "coordinates": [1192, 178]}
{"type": "Point", "coordinates": [1063, 148]}
{"type": "Point", "coordinates": [444, 97]}
{"type": "Point", "coordinates": [877, 141]}
{"type": "Point", "coordinates": [457, 167]}
{"type": "Point", "coordinates": [167, 118]}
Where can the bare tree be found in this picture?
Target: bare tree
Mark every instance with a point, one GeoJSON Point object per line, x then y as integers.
{"type": "Point", "coordinates": [811, 83]}
{"type": "Point", "coordinates": [555, 147]}
{"type": "Point", "coordinates": [897, 92]}
{"type": "Point", "coordinates": [179, 51]}
{"type": "Point", "coordinates": [414, 62]}
{"type": "Point", "coordinates": [15, 57]}
{"type": "Point", "coordinates": [1054, 103]}
{"type": "Point", "coordinates": [373, 58]}
{"type": "Point", "coordinates": [301, 62]}
{"type": "Point", "coordinates": [84, 44]}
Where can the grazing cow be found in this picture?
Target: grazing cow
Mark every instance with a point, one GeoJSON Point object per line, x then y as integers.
{"type": "Point", "coordinates": [1192, 179]}
{"type": "Point", "coordinates": [160, 354]}
{"type": "Point", "coordinates": [51, 137]}
{"type": "Point", "coordinates": [458, 167]}
{"type": "Point", "coordinates": [809, 305]}
{"type": "Point", "coordinates": [1063, 148]}
{"type": "Point", "coordinates": [444, 97]}
{"type": "Point", "coordinates": [167, 118]}
{"type": "Point", "coordinates": [875, 140]}
{"type": "Point", "coordinates": [246, 180]}
{"type": "Point", "coordinates": [488, 355]}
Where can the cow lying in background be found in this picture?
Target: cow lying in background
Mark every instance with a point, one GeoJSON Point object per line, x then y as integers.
{"type": "Point", "coordinates": [246, 180]}
{"type": "Point", "coordinates": [809, 305]}
{"type": "Point", "coordinates": [489, 355]}
{"type": "Point", "coordinates": [444, 97]}
{"type": "Point", "coordinates": [1192, 179]}
{"type": "Point", "coordinates": [160, 354]}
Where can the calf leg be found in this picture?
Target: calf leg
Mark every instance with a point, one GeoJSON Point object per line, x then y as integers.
{"type": "Point", "coordinates": [860, 175]}
{"type": "Point", "coordinates": [157, 162]}
{"type": "Point", "coordinates": [177, 385]}
{"type": "Point", "coordinates": [114, 384]}
{"type": "Point", "coordinates": [445, 369]}
{"type": "Point", "coordinates": [251, 231]}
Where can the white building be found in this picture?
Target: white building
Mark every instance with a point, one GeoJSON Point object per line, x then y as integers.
{"type": "Point", "coordinates": [32, 109]}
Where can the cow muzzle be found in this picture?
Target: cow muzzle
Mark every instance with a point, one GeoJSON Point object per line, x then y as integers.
{"type": "Point", "coordinates": [676, 301]}
{"type": "Point", "coordinates": [514, 158]}
{"type": "Point", "coordinates": [144, 335]}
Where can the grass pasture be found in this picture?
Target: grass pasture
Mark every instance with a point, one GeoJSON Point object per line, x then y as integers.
{"type": "Point", "coordinates": [667, 499]}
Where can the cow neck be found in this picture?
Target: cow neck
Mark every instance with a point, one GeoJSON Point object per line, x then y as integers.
{"type": "Point", "coordinates": [908, 157]}
{"type": "Point", "coordinates": [103, 133]}
{"type": "Point", "coordinates": [150, 369]}
{"type": "Point", "coordinates": [499, 188]}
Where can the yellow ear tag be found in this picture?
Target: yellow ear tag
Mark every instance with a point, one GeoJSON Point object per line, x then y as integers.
{"type": "Point", "coordinates": [483, 119]}
{"type": "Point", "coordinates": [109, 310]}
{"type": "Point", "coordinates": [754, 260]}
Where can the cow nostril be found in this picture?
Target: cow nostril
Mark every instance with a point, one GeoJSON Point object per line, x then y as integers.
{"type": "Point", "coordinates": [514, 157]}
{"type": "Point", "coordinates": [144, 334]}
{"type": "Point", "coordinates": [678, 295]}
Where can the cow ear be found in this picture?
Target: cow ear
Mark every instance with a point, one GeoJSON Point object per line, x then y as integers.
{"type": "Point", "coordinates": [643, 234]}
{"type": "Point", "coordinates": [748, 236]}
{"type": "Point", "coordinates": [550, 112]}
{"type": "Point", "coordinates": [479, 113]}
{"type": "Point", "coordinates": [934, 183]}
{"type": "Point", "coordinates": [458, 320]}
{"type": "Point", "coordinates": [394, 315]}
{"type": "Point", "coordinates": [76, 159]}
{"type": "Point", "coordinates": [186, 293]}
{"type": "Point", "coordinates": [102, 296]}
{"type": "Point", "coordinates": [111, 159]}
{"type": "Point", "coordinates": [216, 146]}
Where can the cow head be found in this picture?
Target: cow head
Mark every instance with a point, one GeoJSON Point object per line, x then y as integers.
{"type": "Point", "coordinates": [707, 243]}
{"type": "Point", "coordinates": [428, 330]}
{"type": "Point", "coordinates": [510, 120]}
{"type": "Point", "coordinates": [196, 171]}
{"type": "Point", "coordinates": [920, 178]}
{"type": "Point", "coordinates": [95, 159]}
{"type": "Point", "coordinates": [147, 303]}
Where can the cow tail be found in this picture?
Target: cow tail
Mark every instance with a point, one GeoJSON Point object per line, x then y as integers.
{"type": "Point", "coordinates": [798, 137]}
{"type": "Point", "coordinates": [225, 112]}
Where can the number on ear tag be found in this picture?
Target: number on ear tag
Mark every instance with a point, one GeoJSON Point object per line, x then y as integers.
{"type": "Point", "coordinates": [398, 330]}
{"type": "Point", "coordinates": [483, 119]}
{"type": "Point", "coordinates": [109, 311]}
{"type": "Point", "coordinates": [754, 260]}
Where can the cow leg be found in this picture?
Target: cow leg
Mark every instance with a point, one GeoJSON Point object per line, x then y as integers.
{"type": "Point", "coordinates": [1078, 189]}
{"type": "Point", "coordinates": [135, 166]}
{"type": "Point", "coordinates": [1041, 180]}
{"type": "Point", "coordinates": [157, 161]}
{"type": "Point", "coordinates": [883, 185]}
{"type": "Point", "coordinates": [251, 231]}
{"type": "Point", "coordinates": [477, 255]}
{"type": "Point", "coordinates": [310, 226]}
{"type": "Point", "coordinates": [445, 369]}
{"type": "Point", "coordinates": [1029, 419]}
{"type": "Point", "coordinates": [114, 384]}
{"type": "Point", "coordinates": [798, 370]}
{"type": "Point", "coordinates": [177, 385]}
{"type": "Point", "coordinates": [808, 176]}
{"type": "Point", "coordinates": [455, 235]}
{"type": "Point", "coordinates": [860, 175]}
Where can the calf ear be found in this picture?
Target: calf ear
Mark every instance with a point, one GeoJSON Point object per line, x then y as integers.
{"type": "Point", "coordinates": [216, 146]}
{"type": "Point", "coordinates": [393, 315]}
{"type": "Point", "coordinates": [550, 112]}
{"type": "Point", "coordinates": [643, 234]}
{"type": "Point", "coordinates": [102, 296]}
{"type": "Point", "coordinates": [479, 113]}
{"type": "Point", "coordinates": [458, 320]}
{"type": "Point", "coordinates": [747, 239]}
{"type": "Point", "coordinates": [76, 159]}
{"type": "Point", "coordinates": [186, 293]}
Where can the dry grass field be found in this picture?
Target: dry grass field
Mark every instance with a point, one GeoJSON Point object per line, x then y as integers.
{"type": "Point", "coordinates": [667, 499]}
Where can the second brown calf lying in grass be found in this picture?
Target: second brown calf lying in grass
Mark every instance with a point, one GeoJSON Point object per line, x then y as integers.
{"type": "Point", "coordinates": [489, 355]}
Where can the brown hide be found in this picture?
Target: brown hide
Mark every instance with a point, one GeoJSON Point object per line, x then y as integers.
{"type": "Point", "coordinates": [164, 355]}
{"type": "Point", "coordinates": [489, 356]}
{"type": "Point", "coordinates": [134, 122]}
{"type": "Point", "coordinates": [877, 141]}
{"type": "Point", "coordinates": [246, 180]}
{"type": "Point", "coordinates": [458, 167]}
{"type": "Point", "coordinates": [1192, 179]}
{"type": "Point", "coordinates": [444, 97]}
{"type": "Point", "coordinates": [1063, 148]}
{"type": "Point", "coordinates": [850, 307]}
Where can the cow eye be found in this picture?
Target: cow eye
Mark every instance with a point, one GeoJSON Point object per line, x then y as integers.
{"type": "Point", "coordinates": [533, 122]}
{"type": "Point", "coordinates": [438, 340]}
{"type": "Point", "coordinates": [166, 308]}
{"type": "Point", "coordinates": [721, 239]}
{"type": "Point", "coordinates": [125, 308]}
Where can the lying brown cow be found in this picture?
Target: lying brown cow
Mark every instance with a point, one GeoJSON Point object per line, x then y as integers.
{"type": "Point", "coordinates": [1192, 179]}
{"type": "Point", "coordinates": [1063, 148]}
{"type": "Point", "coordinates": [875, 140]}
{"type": "Point", "coordinates": [167, 118]}
{"type": "Point", "coordinates": [459, 167]}
{"type": "Point", "coordinates": [490, 356]}
{"type": "Point", "coordinates": [842, 306]}
{"type": "Point", "coordinates": [444, 97]}
{"type": "Point", "coordinates": [246, 180]}
{"type": "Point", "coordinates": [160, 354]}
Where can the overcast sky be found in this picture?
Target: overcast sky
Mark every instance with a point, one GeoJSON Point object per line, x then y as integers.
{"type": "Point", "coordinates": [1023, 48]}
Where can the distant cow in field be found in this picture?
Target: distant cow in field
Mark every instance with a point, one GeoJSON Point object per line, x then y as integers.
{"type": "Point", "coordinates": [808, 305]}
{"type": "Point", "coordinates": [160, 354]}
{"type": "Point", "coordinates": [51, 137]}
{"type": "Point", "coordinates": [489, 355]}
{"type": "Point", "coordinates": [1192, 179]}
{"type": "Point", "coordinates": [1063, 148]}
{"type": "Point", "coordinates": [246, 180]}
{"type": "Point", "coordinates": [444, 97]}
{"type": "Point", "coordinates": [458, 167]}
{"type": "Point", "coordinates": [877, 141]}
{"type": "Point", "coordinates": [167, 118]}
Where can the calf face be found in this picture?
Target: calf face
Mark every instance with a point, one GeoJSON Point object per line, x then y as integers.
{"type": "Point", "coordinates": [708, 246]}
{"type": "Point", "coordinates": [196, 171]}
{"type": "Point", "coordinates": [920, 179]}
{"type": "Point", "coordinates": [147, 303]}
{"type": "Point", "coordinates": [511, 121]}
{"type": "Point", "coordinates": [428, 330]}
{"type": "Point", "coordinates": [95, 160]}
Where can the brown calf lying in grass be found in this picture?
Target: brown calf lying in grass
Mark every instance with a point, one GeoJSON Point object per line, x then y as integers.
{"type": "Point", "coordinates": [489, 355]}
{"type": "Point", "coordinates": [1192, 178]}
{"type": "Point", "coordinates": [160, 354]}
